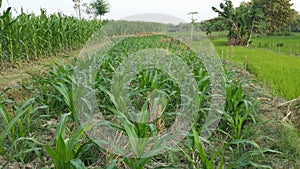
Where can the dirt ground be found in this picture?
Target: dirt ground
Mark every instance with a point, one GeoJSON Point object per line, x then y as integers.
{"type": "Point", "coordinates": [13, 75]}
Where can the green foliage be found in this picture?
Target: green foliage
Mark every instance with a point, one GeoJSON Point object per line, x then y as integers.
{"type": "Point", "coordinates": [278, 14]}
{"type": "Point", "coordinates": [258, 16]}
{"type": "Point", "coordinates": [29, 37]}
{"type": "Point", "coordinates": [56, 89]}
{"type": "Point", "coordinates": [235, 143]}
{"type": "Point", "coordinates": [212, 25]}
{"type": "Point", "coordinates": [15, 126]}
{"type": "Point", "coordinates": [238, 110]}
{"type": "Point", "coordinates": [141, 85]}
{"type": "Point", "coordinates": [115, 28]}
{"type": "Point", "coordinates": [205, 161]}
{"type": "Point", "coordinates": [295, 27]}
{"type": "Point", "coordinates": [66, 154]}
{"type": "Point", "coordinates": [100, 7]}
{"type": "Point", "coordinates": [240, 22]}
{"type": "Point", "coordinates": [243, 157]}
{"type": "Point", "coordinates": [52, 95]}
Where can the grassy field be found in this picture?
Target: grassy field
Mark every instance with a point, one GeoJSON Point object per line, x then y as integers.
{"type": "Point", "coordinates": [280, 71]}
{"type": "Point", "coordinates": [282, 44]}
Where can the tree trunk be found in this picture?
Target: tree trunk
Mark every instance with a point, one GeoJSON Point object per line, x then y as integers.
{"type": "Point", "coordinates": [79, 11]}
{"type": "Point", "coordinates": [232, 42]}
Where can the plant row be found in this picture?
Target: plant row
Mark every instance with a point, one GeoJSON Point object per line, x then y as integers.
{"type": "Point", "coordinates": [45, 129]}
{"type": "Point", "coordinates": [27, 36]}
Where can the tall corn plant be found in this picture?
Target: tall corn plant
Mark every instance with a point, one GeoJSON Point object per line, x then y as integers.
{"type": "Point", "coordinates": [28, 36]}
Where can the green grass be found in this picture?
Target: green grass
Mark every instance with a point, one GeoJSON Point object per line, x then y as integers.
{"type": "Point", "coordinates": [290, 44]}
{"type": "Point", "coordinates": [278, 70]}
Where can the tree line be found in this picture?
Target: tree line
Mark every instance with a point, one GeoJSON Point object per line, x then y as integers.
{"type": "Point", "coordinates": [269, 17]}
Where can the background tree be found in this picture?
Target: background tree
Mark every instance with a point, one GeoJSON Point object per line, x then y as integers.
{"type": "Point", "coordinates": [77, 7]}
{"type": "Point", "coordinates": [239, 22]}
{"type": "Point", "coordinates": [210, 26]}
{"type": "Point", "coordinates": [89, 10]}
{"type": "Point", "coordinates": [227, 18]}
{"type": "Point", "coordinates": [278, 14]}
{"type": "Point", "coordinates": [250, 20]}
{"type": "Point", "coordinates": [295, 27]}
{"type": "Point", "coordinates": [99, 7]}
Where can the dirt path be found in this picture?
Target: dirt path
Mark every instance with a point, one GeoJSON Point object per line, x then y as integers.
{"type": "Point", "coordinates": [12, 76]}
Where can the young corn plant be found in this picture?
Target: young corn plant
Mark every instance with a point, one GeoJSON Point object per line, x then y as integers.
{"type": "Point", "coordinates": [239, 113]}
{"type": "Point", "coordinates": [16, 125]}
{"type": "Point", "coordinates": [198, 155]}
{"type": "Point", "coordinates": [139, 135]}
{"type": "Point", "coordinates": [66, 154]}
{"type": "Point", "coordinates": [245, 159]}
{"type": "Point", "coordinates": [55, 90]}
{"type": "Point", "coordinates": [238, 110]}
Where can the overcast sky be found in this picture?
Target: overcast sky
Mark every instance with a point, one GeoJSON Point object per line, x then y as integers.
{"type": "Point", "coordinates": [124, 8]}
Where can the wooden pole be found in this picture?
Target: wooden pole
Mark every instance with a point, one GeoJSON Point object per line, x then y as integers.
{"type": "Point", "coordinates": [245, 64]}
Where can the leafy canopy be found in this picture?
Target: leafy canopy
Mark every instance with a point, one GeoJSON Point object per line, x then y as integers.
{"type": "Point", "coordinates": [239, 22]}
{"type": "Point", "coordinates": [100, 7]}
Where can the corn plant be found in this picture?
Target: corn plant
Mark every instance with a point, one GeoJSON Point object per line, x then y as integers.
{"type": "Point", "coordinates": [146, 84]}
{"type": "Point", "coordinates": [206, 161]}
{"type": "Point", "coordinates": [238, 110]}
{"type": "Point", "coordinates": [139, 135]}
{"type": "Point", "coordinates": [215, 161]}
{"type": "Point", "coordinates": [17, 124]}
{"type": "Point", "coordinates": [28, 36]}
{"type": "Point", "coordinates": [66, 154]}
{"type": "Point", "coordinates": [245, 159]}
{"type": "Point", "coordinates": [56, 89]}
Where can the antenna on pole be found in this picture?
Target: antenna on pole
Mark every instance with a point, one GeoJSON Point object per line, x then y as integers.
{"type": "Point", "coordinates": [193, 13]}
{"type": "Point", "coordinates": [193, 21]}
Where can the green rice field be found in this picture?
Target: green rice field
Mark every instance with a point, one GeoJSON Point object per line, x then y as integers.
{"type": "Point", "coordinates": [279, 70]}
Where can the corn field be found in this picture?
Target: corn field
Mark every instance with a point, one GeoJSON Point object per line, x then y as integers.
{"type": "Point", "coordinates": [28, 36]}
{"type": "Point", "coordinates": [43, 129]}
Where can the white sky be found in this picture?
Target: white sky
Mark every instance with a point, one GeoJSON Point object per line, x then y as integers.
{"type": "Point", "coordinates": [124, 8]}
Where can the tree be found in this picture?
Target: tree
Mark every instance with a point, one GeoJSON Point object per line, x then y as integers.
{"type": "Point", "coordinates": [100, 7]}
{"type": "Point", "coordinates": [77, 7]}
{"type": "Point", "coordinates": [88, 10]}
{"type": "Point", "coordinates": [240, 22]}
{"type": "Point", "coordinates": [295, 27]}
{"type": "Point", "coordinates": [278, 14]}
{"type": "Point", "coordinates": [210, 26]}
{"type": "Point", "coordinates": [250, 21]}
